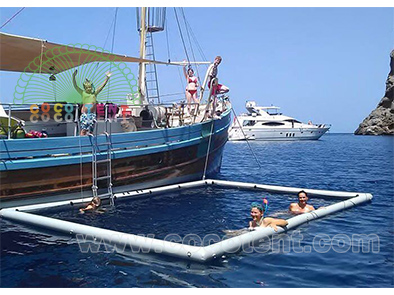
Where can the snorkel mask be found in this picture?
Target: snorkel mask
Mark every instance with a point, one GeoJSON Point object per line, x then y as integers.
{"type": "Point", "coordinates": [265, 204]}
{"type": "Point", "coordinates": [262, 207]}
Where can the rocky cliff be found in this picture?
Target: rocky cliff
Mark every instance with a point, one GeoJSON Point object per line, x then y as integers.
{"type": "Point", "coordinates": [381, 120]}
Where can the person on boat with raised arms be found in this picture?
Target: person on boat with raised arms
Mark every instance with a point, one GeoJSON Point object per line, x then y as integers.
{"type": "Point", "coordinates": [89, 101]}
{"type": "Point", "coordinates": [257, 211]}
{"type": "Point", "coordinates": [191, 88]}
{"type": "Point", "coordinates": [301, 206]}
{"type": "Point", "coordinates": [93, 205]}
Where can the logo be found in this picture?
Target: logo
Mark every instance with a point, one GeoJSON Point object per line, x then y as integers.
{"type": "Point", "coordinates": [67, 112]}
{"type": "Point", "coordinates": [92, 63]}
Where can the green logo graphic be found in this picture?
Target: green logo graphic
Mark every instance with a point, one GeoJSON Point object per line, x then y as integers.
{"type": "Point", "coordinates": [92, 64]}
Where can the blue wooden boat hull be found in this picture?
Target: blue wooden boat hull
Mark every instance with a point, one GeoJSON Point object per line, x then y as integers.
{"type": "Point", "coordinates": [60, 168]}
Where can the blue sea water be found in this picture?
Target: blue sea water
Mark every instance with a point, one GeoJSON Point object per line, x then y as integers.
{"type": "Point", "coordinates": [34, 258]}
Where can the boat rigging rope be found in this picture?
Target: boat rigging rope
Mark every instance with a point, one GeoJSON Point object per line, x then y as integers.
{"type": "Point", "coordinates": [254, 155]}
{"type": "Point", "coordinates": [181, 80]}
{"type": "Point", "coordinates": [190, 44]}
{"type": "Point", "coordinates": [173, 94]}
{"type": "Point", "coordinates": [196, 41]}
{"type": "Point", "coordinates": [109, 30]}
{"type": "Point", "coordinates": [168, 44]}
{"type": "Point", "coordinates": [42, 53]}
{"type": "Point", "coordinates": [80, 158]}
{"type": "Point", "coordinates": [112, 48]}
{"type": "Point", "coordinates": [54, 89]}
{"type": "Point", "coordinates": [180, 33]}
{"type": "Point", "coordinates": [12, 17]}
{"type": "Point", "coordinates": [208, 149]}
{"type": "Point", "coordinates": [106, 39]}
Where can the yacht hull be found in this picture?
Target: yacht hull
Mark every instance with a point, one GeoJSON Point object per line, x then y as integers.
{"type": "Point", "coordinates": [288, 134]}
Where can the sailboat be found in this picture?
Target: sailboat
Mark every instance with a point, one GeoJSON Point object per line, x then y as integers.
{"type": "Point", "coordinates": [144, 145]}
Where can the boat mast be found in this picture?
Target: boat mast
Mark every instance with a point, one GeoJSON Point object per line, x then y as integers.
{"type": "Point", "coordinates": [150, 20]}
{"type": "Point", "coordinates": [142, 70]}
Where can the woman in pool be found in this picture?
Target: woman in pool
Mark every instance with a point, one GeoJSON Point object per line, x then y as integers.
{"type": "Point", "coordinates": [93, 205]}
{"type": "Point", "coordinates": [257, 213]}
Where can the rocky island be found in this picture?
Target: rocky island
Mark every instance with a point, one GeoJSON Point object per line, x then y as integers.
{"type": "Point", "coordinates": [381, 120]}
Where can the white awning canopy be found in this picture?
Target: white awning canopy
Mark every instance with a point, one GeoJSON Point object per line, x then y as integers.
{"type": "Point", "coordinates": [24, 54]}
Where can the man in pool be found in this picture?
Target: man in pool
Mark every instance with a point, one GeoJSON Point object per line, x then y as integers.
{"type": "Point", "coordinates": [301, 206]}
{"type": "Point", "coordinates": [257, 213]}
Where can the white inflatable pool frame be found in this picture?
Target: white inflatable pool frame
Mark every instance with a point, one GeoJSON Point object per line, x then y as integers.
{"type": "Point", "coordinates": [184, 251]}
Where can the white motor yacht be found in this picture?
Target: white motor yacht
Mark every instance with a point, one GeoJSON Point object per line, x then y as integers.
{"type": "Point", "coordinates": [266, 123]}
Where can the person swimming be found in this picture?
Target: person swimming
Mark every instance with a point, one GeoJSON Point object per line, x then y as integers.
{"type": "Point", "coordinates": [93, 205]}
{"type": "Point", "coordinates": [301, 206]}
{"type": "Point", "coordinates": [257, 212]}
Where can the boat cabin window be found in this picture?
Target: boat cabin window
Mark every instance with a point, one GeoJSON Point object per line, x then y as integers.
{"type": "Point", "coordinates": [273, 124]}
{"type": "Point", "coordinates": [249, 123]}
{"type": "Point", "coordinates": [272, 111]}
{"type": "Point", "coordinates": [295, 121]}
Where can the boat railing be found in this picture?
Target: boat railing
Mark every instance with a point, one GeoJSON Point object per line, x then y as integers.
{"type": "Point", "coordinates": [161, 115]}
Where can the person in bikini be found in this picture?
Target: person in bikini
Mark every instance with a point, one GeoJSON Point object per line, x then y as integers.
{"type": "Point", "coordinates": [301, 206]}
{"type": "Point", "coordinates": [191, 88]}
{"type": "Point", "coordinates": [258, 220]}
{"type": "Point", "coordinates": [257, 212]}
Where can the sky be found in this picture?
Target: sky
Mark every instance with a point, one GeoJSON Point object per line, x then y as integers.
{"type": "Point", "coordinates": [327, 65]}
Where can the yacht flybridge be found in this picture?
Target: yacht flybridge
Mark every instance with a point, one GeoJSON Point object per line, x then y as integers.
{"type": "Point", "coordinates": [266, 123]}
